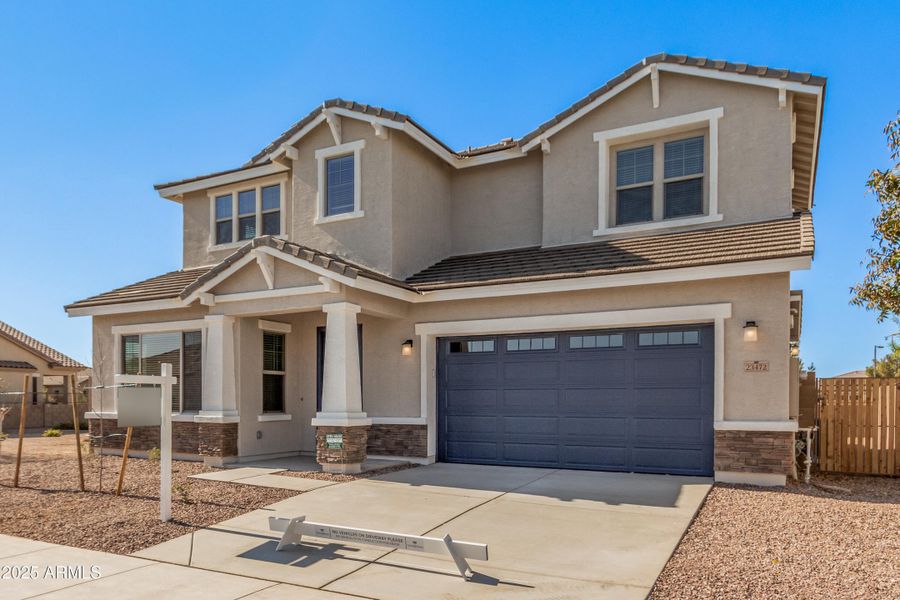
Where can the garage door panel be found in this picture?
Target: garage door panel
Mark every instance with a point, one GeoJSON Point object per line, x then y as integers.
{"type": "Point", "coordinates": [671, 460]}
{"type": "Point", "coordinates": [596, 368]}
{"type": "Point", "coordinates": [668, 369]}
{"type": "Point", "coordinates": [524, 453]}
{"type": "Point", "coordinates": [469, 371]}
{"type": "Point", "coordinates": [531, 401]}
{"type": "Point", "coordinates": [588, 401]}
{"type": "Point", "coordinates": [605, 428]}
{"type": "Point", "coordinates": [473, 451]}
{"type": "Point", "coordinates": [468, 424]}
{"type": "Point", "coordinates": [595, 457]}
{"type": "Point", "coordinates": [531, 371]}
{"type": "Point", "coordinates": [664, 431]}
{"type": "Point", "coordinates": [474, 401]}
{"type": "Point", "coordinates": [633, 407]}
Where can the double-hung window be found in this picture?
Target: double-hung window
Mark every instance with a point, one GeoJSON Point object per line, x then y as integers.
{"type": "Point", "coordinates": [634, 185]}
{"type": "Point", "coordinates": [683, 178]}
{"type": "Point", "coordinates": [339, 175]}
{"type": "Point", "coordinates": [273, 372]}
{"type": "Point", "coordinates": [247, 213]}
{"type": "Point", "coordinates": [144, 354]}
{"type": "Point", "coordinates": [339, 189]}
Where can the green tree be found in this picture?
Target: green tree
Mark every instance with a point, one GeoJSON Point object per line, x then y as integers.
{"type": "Point", "coordinates": [889, 366]}
{"type": "Point", "coordinates": [880, 289]}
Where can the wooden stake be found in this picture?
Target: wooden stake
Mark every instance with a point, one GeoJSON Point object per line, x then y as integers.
{"type": "Point", "coordinates": [22, 414]}
{"type": "Point", "coordinates": [77, 434]}
{"type": "Point", "coordinates": [124, 460]}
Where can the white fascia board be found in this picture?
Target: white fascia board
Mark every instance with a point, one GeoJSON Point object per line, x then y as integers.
{"type": "Point", "coordinates": [793, 86]}
{"type": "Point", "coordinates": [206, 183]}
{"type": "Point", "coordinates": [160, 327]}
{"type": "Point", "coordinates": [602, 99]}
{"type": "Point", "coordinates": [701, 313]}
{"type": "Point", "coordinates": [789, 425]}
{"type": "Point", "coordinates": [490, 157]}
{"type": "Point", "coordinates": [319, 119]}
{"type": "Point", "coordinates": [125, 308]}
{"type": "Point", "coordinates": [743, 269]}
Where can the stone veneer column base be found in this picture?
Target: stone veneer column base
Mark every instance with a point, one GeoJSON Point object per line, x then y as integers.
{"type": "Point", "coordinates": [408, 441]}
{"type": "Point", "coordinates": [350, 457]}
{"type": "Point", "coordinates": [755, 457]}
{"type": "Point", "coordinates": [215, 442]}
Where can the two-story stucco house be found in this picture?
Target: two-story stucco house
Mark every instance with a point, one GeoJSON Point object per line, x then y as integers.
{"type": "Point", "coordinates": [610, 291]}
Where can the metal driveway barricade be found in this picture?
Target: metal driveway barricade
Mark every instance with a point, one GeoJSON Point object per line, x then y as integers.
{"type": "Point", "coordinates": [136, 407]}
{"type": "Point", "coordinates": [294, 529]}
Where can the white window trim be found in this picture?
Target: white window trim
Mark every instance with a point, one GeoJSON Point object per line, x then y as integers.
{"type": "Point", "coordinates": [233, 190]}
{"type": "Point", "coordinates": [275, 328]}
{"type": "Point", "coordinates": [610, 137]}
{"type": "Point", "coordinates": [322, 156]}
{"type": "Point", "coordinates": [139, 329]}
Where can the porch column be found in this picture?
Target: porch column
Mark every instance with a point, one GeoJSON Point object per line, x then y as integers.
{"type": "Point", "coordinates": [218, 419]}
{"type": "Point", "coordinates": [341, 426]}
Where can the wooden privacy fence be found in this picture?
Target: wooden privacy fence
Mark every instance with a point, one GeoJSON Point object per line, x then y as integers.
{"type": "Point", "coordinates": [859, 426]}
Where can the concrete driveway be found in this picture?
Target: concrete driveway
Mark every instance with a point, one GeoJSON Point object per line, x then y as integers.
{"type": "Point", "coordinates": [550, 533]}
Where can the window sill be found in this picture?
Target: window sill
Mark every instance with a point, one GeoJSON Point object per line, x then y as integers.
{"type": "Point", "coordinates": [266, 417]}
{"type": "Point", "coordinates": [655, 225]}
{"type": "Point", "coordinates": [356, 214]}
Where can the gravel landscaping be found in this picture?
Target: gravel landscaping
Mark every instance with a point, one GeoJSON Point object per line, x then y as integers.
{"type": "Point", "coordinates": [796, 542]}
{"type": "Point", "coordinates": [49, 507]}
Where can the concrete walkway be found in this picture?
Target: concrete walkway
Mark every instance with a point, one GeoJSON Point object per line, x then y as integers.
{"type": "Point", "coordinates": [551, 533]}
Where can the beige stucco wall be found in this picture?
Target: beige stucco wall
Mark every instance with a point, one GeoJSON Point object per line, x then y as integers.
{"type": "Point", "coordinates": [422, 209]}
{"type": "Point", "coordinates": [754, 152]}
{"type": "Point", "coordinates": [497, 206]}
{"type": "Point", "coordinates": [11, 380]}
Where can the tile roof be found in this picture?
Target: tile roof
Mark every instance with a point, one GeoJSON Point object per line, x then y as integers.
{"type": "Point", "coordinates": [322, 259]}
{"type": "Point", "coordinates": [54, 357]}
{"type": "Point", "coordinates": [677, 59]}
{"type": "Point", "coordinates": [368, 109]}
{"type": "Point", "coordinates": [161, 287]}
{"type": "Point", "coordinates": [781, 238]}
{"type": "Point", "coordinates": [17, 364]}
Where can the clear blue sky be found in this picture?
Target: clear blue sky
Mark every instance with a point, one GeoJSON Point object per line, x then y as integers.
{"type": "Point", "coordinates": [98, 101]}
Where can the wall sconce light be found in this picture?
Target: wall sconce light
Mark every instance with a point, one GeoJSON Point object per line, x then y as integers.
{"type": "Point", "coordinates": [795, 350]}
{"type": "Point", "coordinates": [406, 348]}
{"type": "Point", "coordinates": [751, 331]}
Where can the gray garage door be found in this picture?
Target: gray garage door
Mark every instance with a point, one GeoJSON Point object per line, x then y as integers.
{"type": "Point", "coordinates": [620, 400]}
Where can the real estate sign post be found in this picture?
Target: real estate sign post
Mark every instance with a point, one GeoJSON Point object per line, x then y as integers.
{"type": "Point", "coordinates": [135, 408]}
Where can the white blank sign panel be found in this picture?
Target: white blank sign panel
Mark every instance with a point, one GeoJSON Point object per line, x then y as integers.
{"type": "Point", "coordinates": [139, 407]}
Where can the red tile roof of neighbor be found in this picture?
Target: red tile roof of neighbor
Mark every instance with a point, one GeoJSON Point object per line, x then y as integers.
{"type": "Point", "coordinates": [53, 357]}
{"type": "Point", "coordinates": [781, 238]}
{"type": "Point", "coordinates": [367, 109]}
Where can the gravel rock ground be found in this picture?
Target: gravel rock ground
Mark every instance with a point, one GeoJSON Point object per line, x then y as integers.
{"type": "Point", "coordinates": [796, 542]}
{"type": "Point", "coordinates": [48, 506]}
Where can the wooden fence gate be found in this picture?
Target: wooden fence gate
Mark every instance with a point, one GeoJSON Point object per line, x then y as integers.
{"type": "Point", "coordinates": [859, 426]}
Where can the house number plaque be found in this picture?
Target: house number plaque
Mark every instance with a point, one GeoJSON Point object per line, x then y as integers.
{"type": "Point", "coordinates": [756, 366]}
{"type": "Point", "coordinates": [334, 440]}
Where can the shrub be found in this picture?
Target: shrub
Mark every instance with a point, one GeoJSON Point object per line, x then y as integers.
{"type": "Point", "coordinates": [153, 454]}
{"type": "Point", "coordinates": [52, 432]}
{"type": "Point", "coordinates": [3, 436]}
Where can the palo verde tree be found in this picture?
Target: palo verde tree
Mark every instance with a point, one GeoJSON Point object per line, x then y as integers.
{"type": "Point", "coordinates": [880, 289]}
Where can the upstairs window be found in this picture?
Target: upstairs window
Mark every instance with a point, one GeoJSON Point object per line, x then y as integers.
{"type": "Point", "coordinates": [247, 213]}
{"type": "Point", "coordinates": [634, 185]}
{"type": "Point", "coordinates": [340, 186]}
{"type": "Point", "coordinates": [339, 191]}
{"type": "Point", "coordinates": [683, 178]}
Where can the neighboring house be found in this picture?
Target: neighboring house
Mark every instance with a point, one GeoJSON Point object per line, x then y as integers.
{"type": "Point", "coordinates": [861, 373]}
{"type": "Point", "coordinates": [610, 291]}
{"type": "Point", "coordinates": [26, 363]}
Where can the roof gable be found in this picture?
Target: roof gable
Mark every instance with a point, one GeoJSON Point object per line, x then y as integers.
{"type": "Point", "coordinates": [54, 358]}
